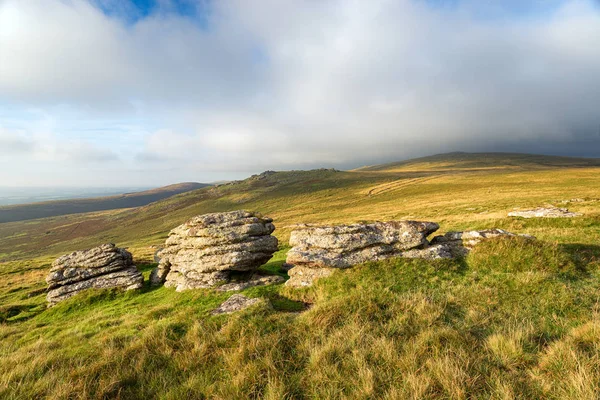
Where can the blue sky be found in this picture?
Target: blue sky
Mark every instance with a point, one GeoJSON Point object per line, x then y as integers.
{"type": "Point", "coordinates": [155, 92]}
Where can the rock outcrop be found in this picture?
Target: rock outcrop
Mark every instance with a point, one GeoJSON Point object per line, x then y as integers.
{"type": "Point", "coordinates": [204, 251]}
{"type": "Point", "coordinates": [105, 266]}
{"type": "Point", "coordinates": [317, 250]}
{"type": "Point", "coordinates": [237, 302]}
{"type": "Point", "coordinates": [544, 212]}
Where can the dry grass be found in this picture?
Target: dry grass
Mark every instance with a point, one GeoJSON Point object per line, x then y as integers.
{"type": "Point", "coordinates": [516, 319]}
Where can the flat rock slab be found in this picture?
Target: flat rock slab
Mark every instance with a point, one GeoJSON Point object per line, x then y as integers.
{"type": "Point", "coordinates": [237, 302]}
{"type": "Point", "coordinates": [203, 252]}
{"type": "Point", "coordinates": [542, 212]}
{"type": "Point", "coordinates": [314, 262]}
{"type": "Point", "coordinates": [105, 266]}
{"type": "Point", "coordinates": [252, 282]}
{"type": "Point", "coordinates": [346, 245]}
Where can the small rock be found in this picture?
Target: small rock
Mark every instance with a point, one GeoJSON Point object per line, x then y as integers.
{"type": "Point", "coordinates": [544, 212]}
{"type": "Point", "coordinates": [434, 252]}
{"type": "Point", "coordinates": [237, 302]}
{"type": "Point", "coordinates": [254, 281]}
{"type": "Point", "coordinates": [157, 255]}
{"type": "Point", "coordinates": [460, 243]}
{"type": "Point", "coordinates": [304, 276]}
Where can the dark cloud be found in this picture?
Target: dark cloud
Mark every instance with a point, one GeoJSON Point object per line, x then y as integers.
{"type": "Point", "coordinates": [272, 84]}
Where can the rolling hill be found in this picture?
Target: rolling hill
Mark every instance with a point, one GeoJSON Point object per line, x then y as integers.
{"type": "Point", "coordinates": [514, 319]}
{"type": "Point", "coordinates": [21, 212]}
{"type": "Point", "coordinates": [411, 189]}
{"type": "Point", "coordinates": [461, 161]}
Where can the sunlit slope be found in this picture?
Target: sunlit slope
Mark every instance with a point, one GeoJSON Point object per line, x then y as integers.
{"type": "Point", "coordinates": [454, 198]}
{"type": "Point", "coordinates": [483, 161]}
{"type": "Point", "coordinates": [515, 319]}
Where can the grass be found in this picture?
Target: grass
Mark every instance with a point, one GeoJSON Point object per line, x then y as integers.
{"type": "Point", "coordinates": [516, 319]}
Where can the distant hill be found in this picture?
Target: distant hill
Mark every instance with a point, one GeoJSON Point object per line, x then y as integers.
{"type": "Point", "coordinates": [435, 188]}
{"type": "Point", "coordinates": [483, 161]}
{"type": "Point", "coordinates": [22, 212]}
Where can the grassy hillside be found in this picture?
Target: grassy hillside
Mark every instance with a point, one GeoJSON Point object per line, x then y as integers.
{"type": "Point", "coordinates": [515, 319]}
{"type": "Point", "coordinates": [474, 161]}
{"type": "Point", "coordinates": [21, 212]}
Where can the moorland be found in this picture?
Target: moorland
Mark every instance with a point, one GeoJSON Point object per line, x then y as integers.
{"type": "Point", "coordinates": [514, 319]}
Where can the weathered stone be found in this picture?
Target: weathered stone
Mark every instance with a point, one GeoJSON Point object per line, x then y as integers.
{"type": "Point", "coordinates": [318, 251]}
{"type": "Point", "coordinates": [347, 245]}
{"type": "Point", "coordinates": [157, 255]}
{"type": "Point", "coordinates": [255, 280]}
{"type": "Point", "coordinates": [305, 276]}
{"type": "Point", "coordinates": [460, 243]}
{"type": "Point", "coordinates": [105, 266]}
{"type": "Point", "coordinates": [202, 252]}
{"type": "Point", "coordinates": [544, 212]}
{"type": "Point", "coordinates": [159, 274]}
{"type": "Point", "coordinates": [237, 302]}
{"type": "Point", "coordinates": [434, 252]}
{"type": "Point", "coordinates": [195, 280]}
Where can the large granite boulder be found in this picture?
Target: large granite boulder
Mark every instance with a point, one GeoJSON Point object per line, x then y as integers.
{"type": "Point", "coordinates": [204, 251]}
{"type": "Point", "coordinates": [105, 266]}
{"type": "Point", "coordinates": [317, 250]}
{"type": "Point", "coordinates": [544, 212]}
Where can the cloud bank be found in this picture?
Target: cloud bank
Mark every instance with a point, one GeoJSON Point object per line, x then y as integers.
{"type": "Point", "coordinates": [238, 87]}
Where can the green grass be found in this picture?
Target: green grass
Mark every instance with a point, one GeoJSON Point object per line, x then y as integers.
{"type": "Point", "coordinates": [516, 319]}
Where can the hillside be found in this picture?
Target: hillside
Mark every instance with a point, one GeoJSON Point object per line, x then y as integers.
{"type": "Point", "coordinates": [460, 161]}
{"type": "Point", "coordinates": [22, 212]}
{"type": "Point", "coordinates": [514, 319]}
{"type": "Point", "coordinates": [326, 196]}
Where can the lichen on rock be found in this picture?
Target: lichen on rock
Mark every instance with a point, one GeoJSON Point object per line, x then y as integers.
{"type": "Point", "coordinates": [105, 266]}
{"type": "Point", "coordinates": [203, 252]}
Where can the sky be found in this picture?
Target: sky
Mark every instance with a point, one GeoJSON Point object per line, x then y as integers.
{"type": "Point", "coordinates": [152, 92]}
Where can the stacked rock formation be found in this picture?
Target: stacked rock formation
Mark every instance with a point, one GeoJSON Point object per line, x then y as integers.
{"type": "Point", "coordinates": [544, 212]}
{"type": "Point", "coordinates": [204, 251]}
{"type": "Point", "coordinates": [105, 266]}
{"type": "Point", "coordinates": [317, 251]}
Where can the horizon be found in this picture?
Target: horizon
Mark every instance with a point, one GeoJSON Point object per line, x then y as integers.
{"type": "Point", "coordinates": [142, 188]}
{"type": "Point", "coordinates": [155, 92]}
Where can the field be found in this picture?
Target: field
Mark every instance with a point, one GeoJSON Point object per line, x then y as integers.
{"type": "Point", "coordinates": [515, 319]}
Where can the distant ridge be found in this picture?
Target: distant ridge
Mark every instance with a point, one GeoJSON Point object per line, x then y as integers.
{"type": "Point", "coordinates": [22, 212]}
{"type": "Point", "coordinates": [474, 161]}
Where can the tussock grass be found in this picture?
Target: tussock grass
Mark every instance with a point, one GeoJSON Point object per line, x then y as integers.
{"type": "Point", "coordinates": [473, 328]}
{"type": "Point", "coordinates": [516, 319]}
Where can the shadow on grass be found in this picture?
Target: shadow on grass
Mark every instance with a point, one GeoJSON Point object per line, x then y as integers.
{"type": "Point", "coordinates": [582, 255]}
{"type": "Point", "coordinates": [13, 313]}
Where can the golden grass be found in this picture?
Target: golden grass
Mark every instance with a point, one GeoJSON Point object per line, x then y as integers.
{"type": "Point", "coordinates": [515, 320]}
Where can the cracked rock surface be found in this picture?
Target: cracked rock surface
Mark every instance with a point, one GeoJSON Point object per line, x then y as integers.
{"type": "Point", "coordinates": [105, 266]}
{"type": "Point", "coordinates": [203, 252]}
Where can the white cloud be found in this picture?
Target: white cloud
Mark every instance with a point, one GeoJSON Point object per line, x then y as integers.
{"type": "Point", "coordinates": [293, 84]}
